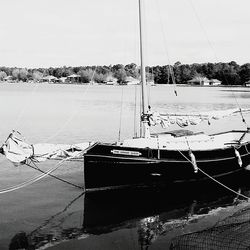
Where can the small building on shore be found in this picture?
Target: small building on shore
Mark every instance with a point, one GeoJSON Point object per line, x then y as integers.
{"type": "Point", "coordinates": [62, 79]}
{"type": "Point", "coordinates": [203, 81]}
{"type": "Point", "coordinates": [74, 78]}
{"type": "Point", "coordinates": [247, 83]}
{"type": "Point", "coordinates": [50, 79]}
{"type": "Point", "coordinates": [131, 80]}
{"type": "Point", "coordinates": [8, 79]}
{"type": "Point", "coordinates": [110, 80]}
{"type": "Point", "coordinates": [214, 82]}
{"type": "Point", "coordinates": [199, 80]}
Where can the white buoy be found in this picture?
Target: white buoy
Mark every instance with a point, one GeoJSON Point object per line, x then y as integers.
{"type": "Point", "coordinates": [237, 154]}
{"type": "Point", "coordinates": [247, 167]}
{"type": "Point", "coordinates": [193, 161]}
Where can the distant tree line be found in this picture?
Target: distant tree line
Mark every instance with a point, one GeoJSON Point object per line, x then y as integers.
{"type": "Point", "coordinates": [228, 73]}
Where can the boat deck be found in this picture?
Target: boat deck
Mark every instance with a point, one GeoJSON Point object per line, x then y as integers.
{"type": "Point", "coordinates": [197, 141]}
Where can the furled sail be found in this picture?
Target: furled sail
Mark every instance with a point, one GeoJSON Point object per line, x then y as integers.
{"type": "Point", "coordinates": [17, 150]}
{"type": "Point", "coordinates": [183, 120]}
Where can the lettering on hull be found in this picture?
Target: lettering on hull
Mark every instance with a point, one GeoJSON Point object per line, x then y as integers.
{"type": "Point", "coordinates": [125, 152]}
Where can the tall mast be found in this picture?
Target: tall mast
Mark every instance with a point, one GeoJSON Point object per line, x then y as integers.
{"type": "Point", "coordinates": [144, 122]}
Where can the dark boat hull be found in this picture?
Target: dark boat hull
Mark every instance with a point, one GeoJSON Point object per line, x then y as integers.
{"type": "Point", "coordinates": [108, 166]}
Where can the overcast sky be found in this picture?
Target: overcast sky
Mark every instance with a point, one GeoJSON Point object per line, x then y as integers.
{"type": "Point", "coordinates": [43, 33]}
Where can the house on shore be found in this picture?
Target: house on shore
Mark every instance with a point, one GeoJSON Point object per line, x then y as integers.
{"type": "Point", "coordinates": [247, 83]}
{"type": "Point", "coordinates": [110, 80]}
{"type": "Point", "coordinates": [8, 79]}
{"type": "Point", "coordinates": [151, 83]}
{"type": "Point", "coordinates": [62, 79]}
{"type": "Point", "coordinates": [199, 80]}
{"type": "Point", "coordinates": [203, 81]}
{"type": "Point", "coordinates": [214, 82]}
{"type": "Point", "coordinates": [131, 80]}
{"type": "Point", "coordinates": [73, 78]}
{"type": "Point", "coordinates": [50, 79]}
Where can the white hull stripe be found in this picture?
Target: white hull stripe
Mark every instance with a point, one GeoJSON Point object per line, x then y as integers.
{"type": "Point", "coordinates": [161, 160]}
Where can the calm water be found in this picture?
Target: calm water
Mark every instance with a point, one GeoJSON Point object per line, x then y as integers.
{"type": "Point", "coordinates": [50, 212]}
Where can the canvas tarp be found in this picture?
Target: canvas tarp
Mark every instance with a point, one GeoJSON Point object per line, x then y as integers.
{"type": "Point", "coordinates": [17, 150]}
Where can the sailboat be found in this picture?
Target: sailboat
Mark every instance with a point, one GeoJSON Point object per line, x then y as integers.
{"type": "Point", "coordinates": [172, 157]}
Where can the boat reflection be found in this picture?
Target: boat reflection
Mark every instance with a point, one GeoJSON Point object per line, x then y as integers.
{"type": "Point", "coordinates": [150, 213]}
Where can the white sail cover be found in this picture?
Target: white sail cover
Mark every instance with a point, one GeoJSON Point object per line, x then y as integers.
{"type": "Point", "coordinates": [17, 150]}
{"type": "Point", "coordinates": [183, 120]}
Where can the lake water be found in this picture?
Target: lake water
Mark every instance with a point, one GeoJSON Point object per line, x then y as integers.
{"type": "Point", "coordinates": [54, 214]}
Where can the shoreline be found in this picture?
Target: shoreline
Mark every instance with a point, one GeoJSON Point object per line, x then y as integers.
{"type": "Point", "coordinates": [103, 84]}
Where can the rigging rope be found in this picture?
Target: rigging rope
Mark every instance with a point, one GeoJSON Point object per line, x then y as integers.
{"type": "Point", "coordinates": [37, 178]}
{"type": "Point", "coordinates": [213, 179]}
{"type": "Point", "coordinates": [56, 177]}
{"type": "Point", "coordinates": [70, 118]}
{"type": "Point", "coordinates": [140, 98]}
{"type": "Point", "coordinates": [121, 109]}
{"type": "Point", "coordinates": [213, 50]}
{"type": "Point", "coordinates": [171, 73]}
{"type": "Point", "coordinates": [29, 182]}
{"type": "Point", "coordinates": [25, 106]}
{"type": "Point", "coordinates": [135, 113]}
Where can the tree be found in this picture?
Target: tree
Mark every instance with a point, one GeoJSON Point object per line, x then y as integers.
{"type": "Point", "coordinates": [86, 75]}
{"type": "Point", "coordinates": [186, 73]}
{"type": "Point", "coordinates": [117, 67]}
{"type": "Point", "coordinates": [100, 78]}
{"type": "Point", "coordinates": [7, 70]}
{"type": "Point", "coordinates": [67, 71]}
{"type": "Point", "coordinates": [244, 73]}
{"type": "Point", "coordinates": [2, 75]}
{"type": "Point", "coordinates": [132, 70]}
{"type": "Point", "coordinates": [15, 74]}
{"type": "Point", "coordinates": [228, 73]}
{"type": "Point", "coordinates": [149, 76]}
{"type": "Point", "coordinates": [157, 74]}
{"type": "Point", "coordinates": [121, 76]}
{"type": "Point", "coordinates": [102, 70]}
{"type": "Point", "coordinates": [23, 74]}
{"type": "Point", "coordinates": [177, 64]}
{"type": "Point", "coordinates": [37, 75]}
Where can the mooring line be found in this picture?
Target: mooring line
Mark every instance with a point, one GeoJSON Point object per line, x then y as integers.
{"type": "Point", "coordinates": [56, 177]}
{"type": "Point", "coordinates": [35, 179]}
{"type": "Point", "coordinates": [29, 182]}
{"type": "Point", "coordinates": [213, 179]}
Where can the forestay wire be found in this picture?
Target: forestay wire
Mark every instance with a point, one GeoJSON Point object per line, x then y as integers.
{"type": "Point", "coordinates": [73, 114]}
{"type": "Point", "coordinates": [135, 113]}
{"type": "Point", "coordinates": [70, 118]}
{"type": "Point", "coordinates": [120, 123]}
{"type": "Point", "coordinates": [213, 50]}
{"type": "Point", "coordinates": [171, 73]}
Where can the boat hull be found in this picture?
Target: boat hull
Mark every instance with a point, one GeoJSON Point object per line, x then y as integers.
{"type": "Point", "coordinates": [108, 166]}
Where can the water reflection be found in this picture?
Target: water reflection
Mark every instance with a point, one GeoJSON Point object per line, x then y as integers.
{"type": "Point", "coordinates": [232, 232]}
{"type": "Point", "coordinates": [149, 213]}
{"type": "Point", "coordinates": [60, 226]}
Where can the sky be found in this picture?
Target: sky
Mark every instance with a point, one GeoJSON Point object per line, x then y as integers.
{"type": "Point", "coordinates": [55, 33]}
